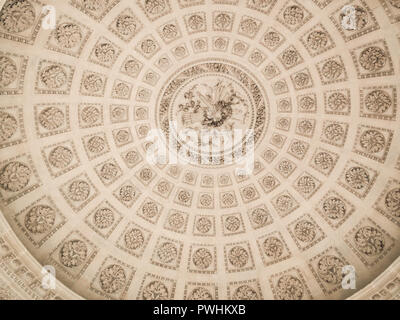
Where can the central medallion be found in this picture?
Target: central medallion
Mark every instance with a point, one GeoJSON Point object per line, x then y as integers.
{"type": "Point", "coordinates": [217, 105]}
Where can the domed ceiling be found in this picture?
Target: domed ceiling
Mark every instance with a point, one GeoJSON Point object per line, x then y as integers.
{"type": "Point", "coordinates": [313, 84]}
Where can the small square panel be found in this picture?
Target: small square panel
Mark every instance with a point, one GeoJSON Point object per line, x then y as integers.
{"type": "Point", "coordinates": [293, 15]}
{"type": "Point", "coordinates": [285, 167]}
{"type": "Point", "coordinates": [249, 26]}
{"type": "Point", "coordinates": [269, 155]}
{"type": "Point", "coordinates": [195, 22]}
{"type": "Point", "coordinates": [334, 208]}
{"type": "Point", "coordinates": [122, 136]}
{"type": "Point", "coordinates": [257, 57]}
{"type": "Point", "coordinates": [200, 45]}
{"type": "Point", "coordinates": [220, 43]}
{"type": "Point", "coordinates": [108, 171]}
{"type": "Point", "coordinates": [338, 102]}
{"type": "Point", "coordinates": [18, 176]}
{"type": "Point", "coordinates": [305, 127]}
{"type": "Point", "coordinates": [272, 39]}
{"type": "Point", "coordinates": [322, 3]}
{"type": "Point", "coordinates": [170, 31]}
{"type": "Point", "coordinates": [79, 191]}
{"type": "Point", "coordinates": [184, 197]}
{"type": "Point", "coordinates": [373, 142]}
{"type": "Point", "coordinates": [317, 40]}
{"type": "Point", "coordinates": [223, 21]}
{"type": "Point", "coordinates": [163, 188]}
{"type": "Point", "coordinates": [121, 90]}
{"type": "Point", "coordinates": [204, 225]}
{"type": "Point", "coordinates": [305, 232]}
{"type": "Point", "coordinates": [224, 180]}
{"type": "Point", "coordinates": [249, 193]}
{"type": "Point", "coordinates": [373, 60]}
{"type": "Point", "coordinates": [271, 71]}
{"type": "Point", "coordinates": [141, 113]}
{"type": "Point", "coordinates": [73, 255]}
{"type": "Point", "coordinates": [332, 70]}
{"type": "Point", "coordinates": [93, 84]}
{"type": "Point", "coordinates": [259, 217]}
{"type": "Point", "coordinates": [54, 78]}
{"type": "Point", "coordinates": [150, 210]}
{"type": "Point", "coordinates": [232, 224]}
{"type": "Point", "coordinates": [238, 257]}
{"type": "Point", "coordinates": [240, 48]}
{"type": "Point", "coordinates": [334, 133]}
{"type": "Point", "coordinates": [290, 57]}
{"type": "Point", "coordinates": [40, 220]}
{"type": "Point", "coordinates": [298, 149]}
{"type": "Point", "coordinates": [369, 241]}
{"type": "Point", "coordinates": [103, 219]}
{"type": "Point", "coordinates": [180, 51]}
{"type": "Point", "coordinates": [151, 77]}
{"type": "Point", "coordinates": [278, 140]}
{"type": "Point", "coordinates": [163, 63]}
{"type": "Point", "coordinates": [273, 248]}
{"type": "Point", "coordinates": [131, 67]}
{"type": "Point", "coordinates": [51, 119]}
{"type": "Point", "coordinates": [131, 157]}
{"type": "Point", "coordinates": [95, 145]}
{"type": "Point", "coordinates": [324, 161]}
{"type": "Point", "coordinates": [205, 200]}
{"type": "Point", "coordinates": [148, 46]}
{"type": "Point", "coordinates": [127, 193]}
{"type": "Point", "coordinates": [284, 203]}
{"type": "Point", "coordinates": [113, 279]}
{"type": "Point", "coordinates": [379, 102]}
{"type": "Point", "coordinates": [307, 103]}
{"type": "Point", "coordinates": [190, 177]}
{"type": "Point", "coordinates": [228, 199]}
{"type": "Point", "coordinates": [306, 185]}
{"type": "Point", "coordinates": [104, 53]}
{"type": "Point", "coordinates": [119, 113]}
{"type": "Point", "coordinates": [176, 221]}
{"type": "Point", "coordinates": [126, 25]}
{"type": "Point", "coordinates": [280, 87]}
{"type": "Point", "coordinates": [167, 253]}
{"type": "Point", "coordinates": [60, 157]}
{"type": "Point", "coordinates": [134, 239]}
{"type": "Point", "coordinates": [302, 79]}
{"type": "Point", "coordinates": [190, 3]}
{"type": "Point", "coordinates": [202, 259]}
{"type": "Point", "coordinates": [229, 2]}
{"type": "Point", "coordinates": [90, 115]}
{"type": "Point", "coordinates": [269, 183]}
{"type": "Point", "coordinates": [357, 178]}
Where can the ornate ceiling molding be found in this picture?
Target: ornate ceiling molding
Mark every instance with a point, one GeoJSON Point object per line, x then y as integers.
{"type": "Point", "coordinates": [314, 98]}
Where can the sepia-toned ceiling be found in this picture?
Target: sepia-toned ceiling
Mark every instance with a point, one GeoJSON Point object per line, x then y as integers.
{"type": "Point", "coordinates": [78, 193]}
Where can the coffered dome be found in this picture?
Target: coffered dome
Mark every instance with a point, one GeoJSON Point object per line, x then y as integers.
{"type": "Point", "coordinates": [309, 88]}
